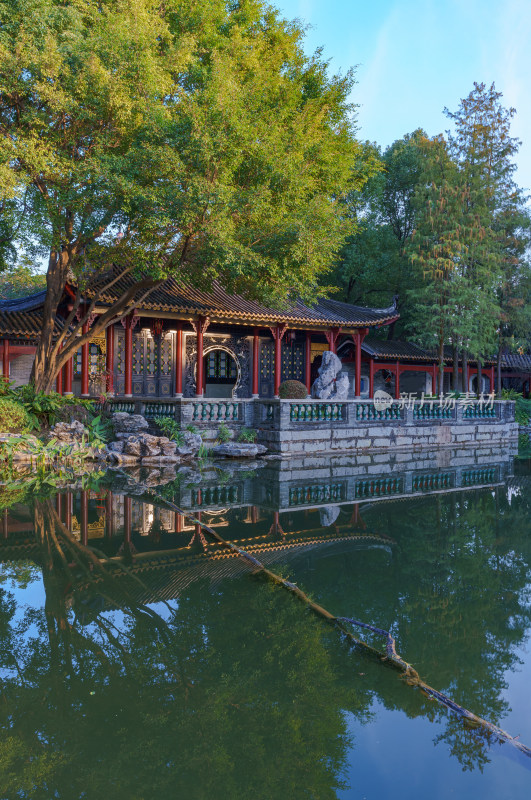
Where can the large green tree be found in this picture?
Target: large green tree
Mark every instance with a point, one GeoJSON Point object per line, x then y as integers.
{"type": "Point", "coordinates": [374, 263]}
{"type": "Point", "coordinates": [187, 139]}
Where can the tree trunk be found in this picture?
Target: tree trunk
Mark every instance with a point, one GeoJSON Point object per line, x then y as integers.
{"type": "Point", "coordinates": [455, 373]}
{"type": "Point", "coordinates": [465, 371]}
{"type": "Point", "coordinates": [498, 373]}
{"type": "Point", "coordinates": [441, 367]}
{"type": "Point", "coordinates": [44, 369]}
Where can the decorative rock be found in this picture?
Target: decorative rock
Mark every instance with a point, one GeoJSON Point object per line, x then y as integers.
{"type": "Point", "coordinates": [192, 440]}
{"type": "Point", "coordinates": [184, 451]}
{"type": "Point", "coordinates": [235, 450]}
{"type": "Point", "coordinates": [159, 461]}
{"type": "Point", "coordinates": [116, 447]}
{"type": "Point", "coordinates": [328, 515]}
{"type": "Point", "coordinates": [69, 431]}
{"type": "Point", "coordinates": [124, 460]}
{"type": "Point", "coordinates": [129, 423]}
{"type": "Point", "coordinates": [331, 384]}
{"type": "Point", "coordinates": [261, 449]}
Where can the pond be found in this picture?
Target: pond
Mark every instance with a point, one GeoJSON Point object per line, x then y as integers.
{"type": "Point", "coordinates": [139, 659]}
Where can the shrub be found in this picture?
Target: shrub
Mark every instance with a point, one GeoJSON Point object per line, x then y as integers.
{"type": "Point", "coordinates": [224, 433]}
{"type": "Point", "coordinates": [13, 416]}
{"type": "Point", "coordinates": [247, 435]}
{"type": "Point", "coordinates": [171, 429]}
{"type": "Point", "coordinates": [292, 390]}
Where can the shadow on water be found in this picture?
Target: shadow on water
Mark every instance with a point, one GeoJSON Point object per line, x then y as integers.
{"type": "Point", "coordinates": [139, 658]}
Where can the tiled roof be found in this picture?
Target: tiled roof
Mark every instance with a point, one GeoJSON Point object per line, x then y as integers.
{"type": "Point", "coordinates": [22, 318]}
{"type": "Point", "coordinates": [174, 296]}
{"type": "Point", "coordinates": [517, 361]}
{"type": "Point", "coordinates": [397, 350]}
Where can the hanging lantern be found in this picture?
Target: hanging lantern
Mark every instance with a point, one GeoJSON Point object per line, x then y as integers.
{"type": "Point", "coordinates": [157, 327]}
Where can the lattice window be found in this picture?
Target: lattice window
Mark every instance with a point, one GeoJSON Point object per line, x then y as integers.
{"type": "Point", "coordinates": [220, 366]}
{"type": "Point", "coordinates": [151, 356]}
{"type": "Point", "coordinates": [293, 362]}
{"type": "Point", "coordinates": [120, 349]}
{"type": "Point", "coordinates": [96, 361]}
{"type": "Point", "coordinates": [138, 354]}
{"type": "Point", "coordinates": [266, 360]}
{"type": "Point", "coordinates": [166, 354]}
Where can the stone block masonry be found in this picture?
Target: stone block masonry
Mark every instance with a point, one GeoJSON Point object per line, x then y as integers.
{"type": "Point", "coordinates": [316, 427]}
{"type": "Point", "coordinates": [292, 428]}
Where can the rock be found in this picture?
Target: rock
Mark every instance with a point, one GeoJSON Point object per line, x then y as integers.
{"type": "Point", "coordinates": [142, 445]}
{"type": "Point", "coordinates": [124, 460]}
{"type": "Point", "coordinates": [192, 440]}
{"type": "Point", "coordinates": [129, 423]}
{"type": "Point", "coordinates": [342, 387]}
{"type": "Point", "coordinates": [115, 447]}
{"type": "Point", "coordinates": [328, 515]}
{"type": "Point", "coordinates": [261, 449]}
{"type": "Point", "coordinates": [167, 448]}
{"type": "Point", "coordinates": [235, 450]}
{"type": "Point", "coordinates": [184, 451]}
{"type": "Point", "coordinates": [68, 432]}
{"type": "Point", "coordinates": [159, 461]}
{"type": "Point", "coordinates": [331, 384]}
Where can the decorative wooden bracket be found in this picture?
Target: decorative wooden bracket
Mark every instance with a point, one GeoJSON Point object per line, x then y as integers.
{"type": "Point", "coordinates": [278, 331]}
{"type": "Point", "coordinates": [131, 319]}
{"type": "Point", "coordinates": [200, 325]}
{"type": "Point", "coordinates": [332, 335]}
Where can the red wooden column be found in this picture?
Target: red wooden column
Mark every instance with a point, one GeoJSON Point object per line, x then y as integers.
{"type": "Point", "coordinates": [5, 359]}
{"type": "Point", "coordinates": [108, 516]}
{"type": "Point", "coordinates": [397, 380]}
{"type": "Point", "coordinates": [434, 379]}
{"type": "Point", "coordinates": [128, 355]}
{"type": "Point", "coordinates": [109, 359]}
{"type": "Point", "coordinates": [371, 378]}
{"type": "Point", "coordinates": [69, 499]}
{"type": "Point", "coordinates": [278, 335]}
{"type": "Point", "coordinates": [308, 361]}
{"type": "Point", "coordinates": [491, 379]}
{"type": "Point", "coordinates": [200, 327]}
{"type": "Point", "coordinates": [85, 364]}
{"type": "Point", "coordinates": [332, 335]}
{"type": "Point", "coordinates": [128, 519]}
{"type": "Point", "coordinates": [358, 338]}
{"type": "Point", "coordinates": [179, 360]}
{"type": "Point", "coordinates": [84, 518]}
{"type": "Point", "coordinates": [256, 362]}
{"type": "Point", "coordinates": [68, 370]}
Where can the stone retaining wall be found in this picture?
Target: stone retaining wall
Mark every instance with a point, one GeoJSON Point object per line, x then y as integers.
{"type": "Point", "coordinates": [282, 431]}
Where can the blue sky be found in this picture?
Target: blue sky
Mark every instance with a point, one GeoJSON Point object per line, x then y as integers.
{"type": "Point", "coordinates": [415, 57]}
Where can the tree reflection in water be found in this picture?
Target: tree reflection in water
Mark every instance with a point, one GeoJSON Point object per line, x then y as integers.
{"type": "Point", "coordinates": [237, 691]}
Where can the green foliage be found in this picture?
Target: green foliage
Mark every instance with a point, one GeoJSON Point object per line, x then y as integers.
{"type": "Point", "coordinates": [14, 416]}
{"type": "Point", "coordinates": [522, 411]}
{"type": "Point", "coordinates": [510, 394]}
{"type": "Point", "coordinates": [292, 390]}
{"type": "Point", "coordinates": [247, 435]}
{"type": "Point", "coordinates": [20, 280]}
{"type": "Point", "coordinates": [191, 428]}
{"type": "Point", "coordinates": [171, 429]}
{"type": "Point", "coordinates": [224, 433]}
{"type": "Point", "coordinates": [100, 430]}
{"type": "Point", "coordinates": [203, 133]}
{"type": "Point", "coordinates": [46, 409]}
{"type": "Point", "coordinates": [203, 451]}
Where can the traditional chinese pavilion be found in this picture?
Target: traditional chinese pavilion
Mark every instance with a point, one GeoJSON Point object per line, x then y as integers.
{"type": "Point", "coordinates": [182, 342]}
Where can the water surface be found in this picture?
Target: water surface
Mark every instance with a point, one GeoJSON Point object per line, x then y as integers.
{"type": "Point", "coordinates": [138, 660]}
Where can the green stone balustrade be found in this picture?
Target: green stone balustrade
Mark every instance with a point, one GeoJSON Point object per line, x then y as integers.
{"type": "Point", "coordinates": [216, 411]}
{"type": "Point", "coordinates": [159, 410]}
{"type": "Point", "coordinates": [473, 477]}
{"type": "Point", "coordinates": [429, 482]}
{"type": "Point", "coordinates": [317, 493]}
{"type": "Point", "coordinates": [433, 410]}
{"type": "Point", "coordinates": [365, 412]}
{"type": "Point", "coordinates": [378, 487]}
{"type": "Point", "coordinates": [221, 495]}
{"type": "Point", "coordinates": [129, 408]}
{"type": "Point", "coordinates": [480, 411]}
{"type": "Point", "coordinates": [317, 412]}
